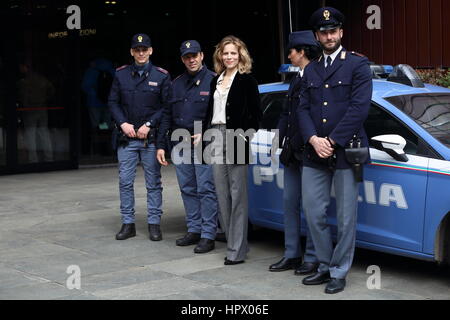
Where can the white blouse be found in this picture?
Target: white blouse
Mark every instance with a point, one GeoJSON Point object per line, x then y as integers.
{"type": "Point", "coordinates": [220, 100]}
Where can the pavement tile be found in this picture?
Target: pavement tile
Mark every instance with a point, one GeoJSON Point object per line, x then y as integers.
{"type": "Point", "coordinates": [45, 291]}
{"type": "Point", "coordinates": [54, 268]}
{"type": "Point", "coordinates": [191, 265]}
{"type": "Point", "coordinates": [210, 293]}
{"type": "Point", "coordinates": [235, 274]}
{"type": "Point", "coordinates": [151, 289]}
{"type": "Point", "coordinates": [10, 278]}
{"type": "Point", "coordinates": [124, 278]}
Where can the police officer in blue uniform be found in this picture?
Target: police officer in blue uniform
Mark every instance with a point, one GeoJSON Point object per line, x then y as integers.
{"type": "Point", "coordinates": [303, 47]}
{"type": "Point", "coordinates": [138, 95]}
{"type": "Point", "coordinates": [188, 103]}
{"type": "Point", "coordinates": [334, 104]}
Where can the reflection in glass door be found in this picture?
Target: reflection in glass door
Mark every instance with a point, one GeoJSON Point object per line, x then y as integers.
{"type": "Point", "coordinates": [35, 98]}
{"type": "Point", "coordinates": [2, 115]}
{"type": "Point", "coordinates": [38, 88]}
{"type": "Point", "coordinates": [42, 88]}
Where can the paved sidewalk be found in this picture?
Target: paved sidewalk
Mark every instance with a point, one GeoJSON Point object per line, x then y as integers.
{"type": "Point", "coordinates": [50, 221]}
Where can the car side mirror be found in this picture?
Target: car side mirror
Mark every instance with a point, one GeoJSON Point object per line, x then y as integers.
{"type": "Point", "coordinates": [392, 144]}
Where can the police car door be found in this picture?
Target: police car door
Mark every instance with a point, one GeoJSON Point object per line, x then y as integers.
{"type": "Point", "coordinates": [392, 196]}
{"type": "Point", "coordinates": [266, 177]}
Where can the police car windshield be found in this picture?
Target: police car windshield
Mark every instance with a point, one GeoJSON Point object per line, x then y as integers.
{"type": "Point", "coordinates": [429, 110]}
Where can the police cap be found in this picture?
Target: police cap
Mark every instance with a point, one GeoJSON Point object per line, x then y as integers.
{"type": "Point", "coordinates": [190, 46]}
{"type": "Point", "coordinates": [326, 18]}
{"type": "Point", "coordinates": [302, 38]}
{"type": "Point", "coordinates": [140, 40]}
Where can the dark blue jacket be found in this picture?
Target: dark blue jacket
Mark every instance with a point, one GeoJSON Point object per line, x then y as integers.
{"type": "Point", "coordinates": [334, 103]}
{"type": "Point", "coordinates": [188, 102]}
{"type": "Point", "coordinates": [137, 99]}
{"type": "Point", "coordinates": [288, 124]}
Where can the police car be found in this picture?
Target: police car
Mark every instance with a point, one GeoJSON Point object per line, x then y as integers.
{"type": "Point", "coordinates": [404, 200]}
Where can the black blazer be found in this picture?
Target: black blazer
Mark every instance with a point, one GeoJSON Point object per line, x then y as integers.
{"type": "Point", "coordinates": [243, 108]}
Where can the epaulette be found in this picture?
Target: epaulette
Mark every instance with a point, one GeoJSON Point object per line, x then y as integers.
{"type": "Point", "coordinates": [122, 67]}
{"type": "Point", "coordinates": [358, 54]}
{"type": "Point", "coordinates": [162, 70]}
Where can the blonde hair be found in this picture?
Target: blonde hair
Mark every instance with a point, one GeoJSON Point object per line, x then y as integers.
{"type": "Point", "coordinates": [245, 61]}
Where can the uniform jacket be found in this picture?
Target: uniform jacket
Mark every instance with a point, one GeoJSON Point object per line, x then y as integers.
{"type": "Point", "coordinates": [137, 99]}
{"type": "Point", "coordinates": [334, 103]}
{"type": "Point", "coordinates": [243, 107]}
{"type": "Point", "coordinates": [188, 102]}
{"type": "Point", "coordinates": [288, 124]}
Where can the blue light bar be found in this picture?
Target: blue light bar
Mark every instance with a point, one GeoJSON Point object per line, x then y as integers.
{"type": "Point", "coordinates": [288, 68]}
{"type": "Point", "coordinates": [388, 68]}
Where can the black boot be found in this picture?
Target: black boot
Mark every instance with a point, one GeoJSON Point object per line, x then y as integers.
{"type": "Point", "coordinates": [205, 245]}
{"type": "Point", "coordinates": [317, 278]}
{"type": "Point", "coordinates": [306, 268]}
{"type": "Point", "coordinates": [335, 286]}
{"type": "Point", "coordinates": [285, 264]}
{"type": "Point", "coordinates": [155, 232]}
{"type": "Point", "coordinates": [188, 239]}
{"type": "Point", "coordinates": [127, 231]}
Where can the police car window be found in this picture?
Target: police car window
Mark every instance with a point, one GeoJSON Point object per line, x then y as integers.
{"type": "Point", "coordinates": [380, 122]}
{"type": "Point", "coordinates": [272, 106]}
{"type": "Point", "coordinates": [430, 110]}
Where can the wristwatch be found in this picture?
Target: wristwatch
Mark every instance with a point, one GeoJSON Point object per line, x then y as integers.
{"type": "Point", "coordinates": [148, 124]}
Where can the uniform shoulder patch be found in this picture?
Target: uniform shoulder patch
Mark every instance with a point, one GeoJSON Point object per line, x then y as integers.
{"type": "Point", "coordinates": [122, 67]}
{"type": "Point", "coordinates": [358, 54]}
{"type": "Point", "coordinates": [162, 70]}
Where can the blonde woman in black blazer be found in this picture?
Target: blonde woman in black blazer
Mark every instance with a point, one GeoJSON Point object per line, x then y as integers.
{"type": "Point", "coordinates": [233, 104]}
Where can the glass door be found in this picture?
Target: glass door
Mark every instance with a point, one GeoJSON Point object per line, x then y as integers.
{"type": "Point", "coordinates": [38, 99]}
{"type": "Point", "coordinates": [3, 100]}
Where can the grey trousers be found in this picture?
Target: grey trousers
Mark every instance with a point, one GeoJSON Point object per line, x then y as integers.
{"type": "Point", "coordinates": [231, 188]}
{"type": "Point", "coordinates": [316, 189]}
{"type": "Point", "coordinates": [231, 182]}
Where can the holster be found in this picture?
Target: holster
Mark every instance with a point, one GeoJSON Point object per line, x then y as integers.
{"type": "Point", "coordinates": [118, 139]}
{"type": "Point", "coordinates": [357, 157]}
{"type": "Point", "coordinates": [151, 136]}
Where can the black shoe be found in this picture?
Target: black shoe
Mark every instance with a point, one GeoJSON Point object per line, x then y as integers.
{"type": "Point", "coordinates": [204, 246]}
{"type": "Point", "coordinates": [317, 278]}
{"type": "Point", "coordinates": [335, 286]}
{"type": "Point", "coordinates": [306, 268]}
{"type": "Point", "coordinates": [285, 264]}
{"type": "Point", "coordinates": [221, 237]}
{"type": "Point", "coordinates": [127, 231]}
{"type": "Point", "coordinates": [230, 262]}
{"type": "Point", "coordinates": [155, 232]}
{"type": "Point", "coordinates": [189, 238]}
